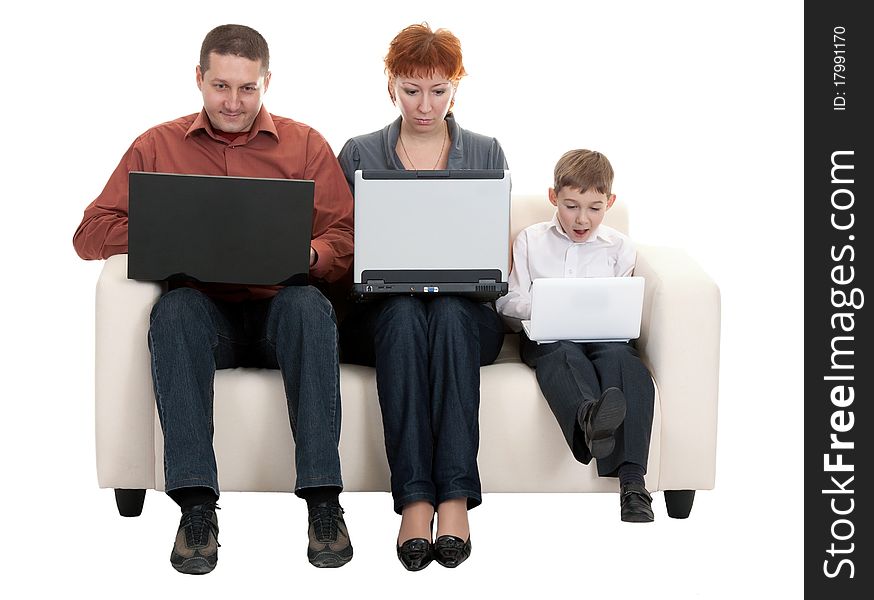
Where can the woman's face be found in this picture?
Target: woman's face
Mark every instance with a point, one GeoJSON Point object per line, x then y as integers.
{"type": "Point", "coordinates": [423, 101]}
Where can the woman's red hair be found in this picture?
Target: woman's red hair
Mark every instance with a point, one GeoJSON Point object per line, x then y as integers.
{"type": "Point", "coordinates": [417, 51]}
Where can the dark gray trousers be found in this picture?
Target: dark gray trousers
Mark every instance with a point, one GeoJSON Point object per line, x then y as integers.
{"type": "Point", "coordinates": [571, 373]}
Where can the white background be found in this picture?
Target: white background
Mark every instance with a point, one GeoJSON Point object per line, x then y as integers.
{"type": "Point", "coordinates": [698, 106]}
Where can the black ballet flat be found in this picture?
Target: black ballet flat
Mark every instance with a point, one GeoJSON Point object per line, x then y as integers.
{"type": "Point", "coordinates": [415, 554]}
{"type": "Point", "coordinates": [450, 551]}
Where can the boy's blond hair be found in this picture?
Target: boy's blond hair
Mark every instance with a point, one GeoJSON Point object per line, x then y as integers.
{"type": "Point", "coordinates": [584, 170]}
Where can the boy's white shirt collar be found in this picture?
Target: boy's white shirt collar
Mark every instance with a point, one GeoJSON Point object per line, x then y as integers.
{"type": "Point", "coordinates": [599, 233]}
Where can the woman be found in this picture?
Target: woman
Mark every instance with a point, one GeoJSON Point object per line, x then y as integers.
{"type": "Point", "coordinates": [427, 352]}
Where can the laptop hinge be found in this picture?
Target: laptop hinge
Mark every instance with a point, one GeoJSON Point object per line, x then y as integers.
{"type": "Point", "coordinates": [375, 282]}
{"type": "Point", "coordinates": [488, 281]}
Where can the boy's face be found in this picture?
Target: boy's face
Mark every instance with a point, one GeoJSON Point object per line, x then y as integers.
{"type": "Point", "coordinates": [580, 214]}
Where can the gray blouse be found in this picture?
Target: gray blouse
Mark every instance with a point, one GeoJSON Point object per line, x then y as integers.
{"type": "Point", "coordinates": [468, 150]}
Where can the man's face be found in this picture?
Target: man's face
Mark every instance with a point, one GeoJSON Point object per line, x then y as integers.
{"type": "Point", "coordinates": [233, 88]}
{"type": "Point", "coordinates": [580, 214]}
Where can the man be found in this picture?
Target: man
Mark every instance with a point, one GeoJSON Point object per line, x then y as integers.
{"type": "Point", "coordinates": [197, 328]}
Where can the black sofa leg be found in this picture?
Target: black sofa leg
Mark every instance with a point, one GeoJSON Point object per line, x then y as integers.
{"type": "Point", "coordinates": [679, 503]}
{"type": "Point", "coordinates": [130, 502]}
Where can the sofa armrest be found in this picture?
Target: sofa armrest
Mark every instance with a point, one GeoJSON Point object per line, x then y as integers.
{"type": "Point", "coordinates": [679, 342]}
{"type": "Point", "coordinates": [124, 401]}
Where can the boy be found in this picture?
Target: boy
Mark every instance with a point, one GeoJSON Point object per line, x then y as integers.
{"type": "Point", "coordinates": [612, 426]}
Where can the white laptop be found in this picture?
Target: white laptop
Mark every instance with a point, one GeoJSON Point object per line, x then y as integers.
{"type": "Point", "coordinates": [585, 309]}
{"type": "Point", "coordinates": [432, 233]}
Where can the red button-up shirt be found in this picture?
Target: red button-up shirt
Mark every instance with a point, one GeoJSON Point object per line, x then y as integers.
{"type": "Point", "coordinates": [275, 147]}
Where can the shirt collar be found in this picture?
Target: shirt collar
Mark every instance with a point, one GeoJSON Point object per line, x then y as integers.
{"type": "Point", "coordinates": [599, 234]}
{"type": "Point", "coordinates": [393, 132]}
{"type": "Point", "coordinates": [456, 149]}
{"type": "Point", "coordinates": [263, 122]}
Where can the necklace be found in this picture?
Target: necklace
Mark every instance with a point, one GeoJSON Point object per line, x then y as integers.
{"type": "Point", "coordinates": [439, 156]}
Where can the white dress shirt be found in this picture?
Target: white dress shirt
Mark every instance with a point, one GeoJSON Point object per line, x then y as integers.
{"type": "Point", "coordinates": [545, 250]}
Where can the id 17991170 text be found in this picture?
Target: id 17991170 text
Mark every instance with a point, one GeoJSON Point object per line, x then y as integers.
{"type": "Point", "coordinates": [839, 102]}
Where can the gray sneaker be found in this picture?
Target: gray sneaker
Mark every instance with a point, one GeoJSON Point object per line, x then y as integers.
{"type": "Point", "coordinates": [195, 551]}
{"type": "Point", "coordinates": [329, 544]}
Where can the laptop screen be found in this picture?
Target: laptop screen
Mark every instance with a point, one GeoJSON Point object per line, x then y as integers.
{"type": "Point", "coordinates": [219, 229]}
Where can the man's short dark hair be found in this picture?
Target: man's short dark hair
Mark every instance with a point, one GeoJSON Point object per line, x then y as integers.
{"type": "Point", "coordinates": [237, 40]}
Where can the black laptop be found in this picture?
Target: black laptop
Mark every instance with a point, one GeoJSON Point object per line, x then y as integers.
{"type": "Point", "coordinates": [213, 229]}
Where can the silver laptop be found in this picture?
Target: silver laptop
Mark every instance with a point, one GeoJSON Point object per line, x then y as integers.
{"type": "Point", "coordinates": [432, 233]}
{"type": "Point", "coordinates": [585, 309]}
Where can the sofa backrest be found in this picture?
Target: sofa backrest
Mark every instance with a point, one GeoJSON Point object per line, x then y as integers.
{"type": "Point", "coordinates": [530, 209]}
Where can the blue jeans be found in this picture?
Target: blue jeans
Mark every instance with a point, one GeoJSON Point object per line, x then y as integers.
{"type": "Point", "coordinates": [427, 354]}
{"type": "Point", "coordinates": [570, 374]}
{"type": "Point", "coordinates": [191, 335]}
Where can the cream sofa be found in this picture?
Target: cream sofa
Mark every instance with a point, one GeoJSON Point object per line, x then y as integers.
{"type": "Point", "coordinates": [521, 447]}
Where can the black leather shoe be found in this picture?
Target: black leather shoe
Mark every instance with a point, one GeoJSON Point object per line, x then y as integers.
{"type": "Point", "coordinates": [600, 419]}
{"type": "Point", "coordinates": [450, 551]}
{"type": "Point", "coordinates": [636, 504]}
{"type": "Point", "coordinates": [415, 554]}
